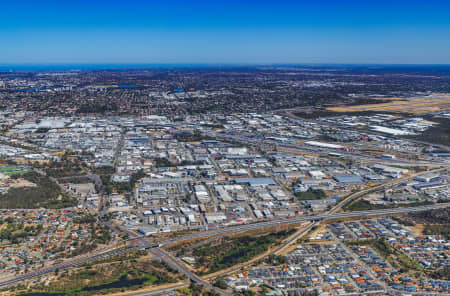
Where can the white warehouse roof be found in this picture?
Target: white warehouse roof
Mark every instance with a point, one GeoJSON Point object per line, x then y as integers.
{"type": "Point", "coordinates": [323, 145]}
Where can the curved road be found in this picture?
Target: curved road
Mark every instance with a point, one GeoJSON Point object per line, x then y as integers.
{"type": "Point", "coordinates": [234, 229]}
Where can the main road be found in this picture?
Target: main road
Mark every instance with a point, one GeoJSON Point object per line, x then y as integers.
{"type": "Point", "coordinates": [173, 262]}
{"type": "Point", "coordinates": [234, 229]}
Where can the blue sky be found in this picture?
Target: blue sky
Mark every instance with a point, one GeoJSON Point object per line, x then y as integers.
{"type": "Point", "coordinates": [340, 31]}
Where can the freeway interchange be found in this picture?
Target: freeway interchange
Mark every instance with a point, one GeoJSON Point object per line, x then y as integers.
{"type": "Point", "coordinates": [143, 244]}
{"type": "Point", "coordinates": [140, 242]}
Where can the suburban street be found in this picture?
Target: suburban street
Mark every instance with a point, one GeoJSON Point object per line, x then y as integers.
{"type": "Point", "coordinates": [235, 229]}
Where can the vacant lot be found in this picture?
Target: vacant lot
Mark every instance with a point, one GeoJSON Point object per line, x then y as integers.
{"type": "Point", "coordinates": [415, 105]}
{"type": "Point", "coordinates": [228, 252]}
{"type": "Point", "coordinates": [46, 193]}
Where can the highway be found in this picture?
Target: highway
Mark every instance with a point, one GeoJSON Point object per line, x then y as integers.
{"type": "Point", "coordinates": [173, 262]}
{"type": "Point", "coordinates": [288, 221]}
{"type": "Point", "coordinates": [164, 291]}
{"type": "Point", "coordinates": [68, 264]}
{"type": "Point", "coordinates": [233, 229]}
{"type": "Point", "coordinates": [169, 259]}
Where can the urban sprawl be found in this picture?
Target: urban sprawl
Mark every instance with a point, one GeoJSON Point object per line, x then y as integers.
{"type": "Point", "coordinates": [263, 196]}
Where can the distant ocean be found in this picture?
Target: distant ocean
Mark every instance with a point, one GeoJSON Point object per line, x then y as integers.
{"type": "Point", "coordinates": [51, 67]}
{"type": "Point", "coordinates": [422, 69]}
{"type": "Point", "coordinates": [66, 67]}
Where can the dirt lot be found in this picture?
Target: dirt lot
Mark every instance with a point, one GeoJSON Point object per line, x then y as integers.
{"type": "Point", "coordinates": [417, 229]}
{"type": "Point", "coordinates": [23, 183]}
{"type": "Point", "coordinates": [414, 105]}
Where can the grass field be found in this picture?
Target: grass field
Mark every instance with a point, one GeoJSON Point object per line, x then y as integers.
{"type": "Point", "coordinates": [13, 171]}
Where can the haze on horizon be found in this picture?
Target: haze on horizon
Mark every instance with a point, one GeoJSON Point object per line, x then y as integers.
{"type": "Point", "coordinates": [348, 31]}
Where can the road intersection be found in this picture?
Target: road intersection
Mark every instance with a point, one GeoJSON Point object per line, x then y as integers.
{"type": "Point", "coordinates": [144, 244]}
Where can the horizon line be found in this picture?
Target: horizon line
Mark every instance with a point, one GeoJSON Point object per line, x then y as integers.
{"type": "Point", "coordinates": [122, 66]}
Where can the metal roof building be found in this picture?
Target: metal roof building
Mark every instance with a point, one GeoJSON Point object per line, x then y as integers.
{"type": "Point", "coordinates": [256, 182]}
{"type": "Point", "coordinates": [348, 179]}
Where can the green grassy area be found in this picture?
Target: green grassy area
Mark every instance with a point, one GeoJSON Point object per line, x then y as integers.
{"type": "Point", "coordinates": [46, 194]}
{"type": "Point", "coordinates": [7, 169]}
{"type": "Point", "coordinates": [232, 251]}
{"type": "Point", "coordinates": [13, 171]}
{"type": "Point", "coordinates": [18, 173]}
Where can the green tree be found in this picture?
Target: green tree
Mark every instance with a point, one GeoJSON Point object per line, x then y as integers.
{"type": "Point", "coordinates": [220, 283]}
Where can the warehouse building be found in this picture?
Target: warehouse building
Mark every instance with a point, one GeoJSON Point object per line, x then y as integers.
{"type": "Point", "coordinates": [348, 179]}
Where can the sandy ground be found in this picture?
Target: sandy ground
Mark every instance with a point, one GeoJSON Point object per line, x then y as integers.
{"type": "Point", "coordinates": [23, 183]}
{"type": "Point", "coordinates": [417, 229]}
{"type": "Point", "coordinates": [3, 226]}
{"type": "Point", "coordinates": [416, 105]}
{"type": "Point", "coordinates": [320, 242]}
{"type": "Point", "coordinates": [150, 289]}
{"type": "Point", "coordinates": [322, 228]}
{"type": "Point", "coordinates": [288, 249]}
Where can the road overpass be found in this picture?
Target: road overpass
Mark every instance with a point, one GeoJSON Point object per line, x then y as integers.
{"type": "Point", "coordinates": [173, 262]}
{"type": "Point", "coordinates": [234, 229]}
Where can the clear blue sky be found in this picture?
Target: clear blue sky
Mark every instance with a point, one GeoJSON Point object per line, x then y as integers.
{"type": "Point", "coordinates": [315, 31]}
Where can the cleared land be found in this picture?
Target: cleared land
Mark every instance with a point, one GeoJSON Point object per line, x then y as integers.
{"type": "Point", "coordinates": [414, 105]}
{"type": "Point", "coordinates": [45, 193]}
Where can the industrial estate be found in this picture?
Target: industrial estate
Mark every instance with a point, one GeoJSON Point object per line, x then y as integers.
{"type": "Point", "coordinates": [233, 181]}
